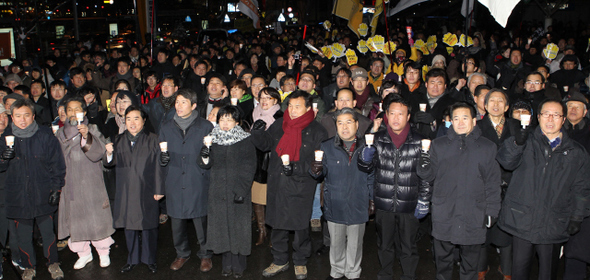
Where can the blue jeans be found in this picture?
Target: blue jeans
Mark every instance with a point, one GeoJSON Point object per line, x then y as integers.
{"type": "Point", "coordinates": [317, 207]}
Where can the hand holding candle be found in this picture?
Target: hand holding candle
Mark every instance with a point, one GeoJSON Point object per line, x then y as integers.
{"type": "Point", "coordinates": [369, 139]}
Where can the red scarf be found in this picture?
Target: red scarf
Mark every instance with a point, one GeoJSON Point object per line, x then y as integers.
{"type": "Point", "coordinates": [290, 143]}
{"type": "Point", "coordinates": [399, 139]}
{"type": "Point", "coordinates": [362, 99]}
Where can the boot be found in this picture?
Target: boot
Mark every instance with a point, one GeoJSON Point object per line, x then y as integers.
{"type": "Point", "coordinates": [259, 210]}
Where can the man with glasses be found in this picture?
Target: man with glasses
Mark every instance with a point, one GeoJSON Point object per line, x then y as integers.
{"type": "Point", "coordinates": [162, 109]}
{"type": "Point", "coordinates": [257, 83]}
{"type": "Point", "coordinates": [307, 81]}
{"type": "Point", "coordinates": [342, 81]}
{"type": "Point", "coordinates": [548, 195]}
{"type": "Point", "coordinates": [535, 92]}
{"type": "Point", "coordinates": [365, 95]}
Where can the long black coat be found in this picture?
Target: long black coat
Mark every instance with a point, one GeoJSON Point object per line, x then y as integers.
{"type": "Point", "coordinates": [37, 169]}
{"type": "Point", "coordinates": [466, 186]}
{"type": "Point", "coordinates": [187, 184]}
{"type": "Point", "coordinates": [139, 178]}
{"type": "Point", "coordinates": [548, 188]}
{"type": "Point", "coordinates": [289, 199]}
{"type": "Point", "coordinates": [511, 127]}
{"type": "Point", "coordinates": [232, 171]}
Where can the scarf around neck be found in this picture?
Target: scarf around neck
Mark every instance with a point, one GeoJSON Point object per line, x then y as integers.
{"type": "Point", "coordinates": [266, 115]}
{"type": "Point", "coordinates": [131, 138]}
{"type": "Point", "coordinates": [290, 143]}
{"type": "Point", "coordinates": [398, 139]}
{"type": "Point", "coordinates": [25, 133]}
{"type": "Point", "coordinates": [120, 123]}
{"type": "Point", "coordinates": [185, 123]}
{"type": "Point", "coordinates": [168, 102]}
{"type": "Point", "coordinates": [230, 137]}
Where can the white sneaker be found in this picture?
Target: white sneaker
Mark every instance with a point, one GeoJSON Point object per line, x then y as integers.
{"type": "Point", "coordinates": [105, 260]}
{"type": "Point", "coordinates": [82, 262]}
{"type": "Point", "coordinates": [17, 265]}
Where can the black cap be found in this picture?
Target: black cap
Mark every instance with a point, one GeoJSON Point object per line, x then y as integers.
{"type": "Point", "coordinates": [575, 95]}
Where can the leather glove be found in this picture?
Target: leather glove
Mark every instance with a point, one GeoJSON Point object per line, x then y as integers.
{"type": "Point", "coordinates": [316, 167]}
{"type": "Point", "coordinates": [489, 221]}
{"type": "Point", "coordinates": [258, 125]}
{"type": "Point", "coordinates": [521, 136]}
{"type": "Point", "coordinates": [574, 227]}
{"type": "Point", "coordinates": [368, 153]}
{"type": "Point", "coordinates": [8, 154]}
{"type": "Point", "coordinates": [54, 198]}
{"type": "Point", "coordinates": [238, 199]}
{"type": "Point", "coordinates": [422, 209]}
{"type": "Point", "coordinates": [371, 207]}
{"type": "Point", "coordinates": [423, 117]}
{"type": "Point", "coordinates": [424, 160]}
{"type": "Point", "coordinates": [164, 158]}
{"type": "Point", "coordinates": [288, 169]}
{"type": "Point", "coordinates": [205, 152]}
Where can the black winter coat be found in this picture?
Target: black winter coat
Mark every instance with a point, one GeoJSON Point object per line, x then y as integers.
{"type": "Point", "coordinates": [187, 184]}
{"type": "Point", "coordinates": [548, 188]}
{"type": "Point", "coordinates": [37, 169]}
{"type": "Point", "coordinates": [139, 178]}
{"type": "Point", "coordinates": [397, 185]}
{"type": "Point", "coordinates": [466, 186]}
{"type": "Point", "coordinates": [290, 198]}
{"type": "Point", "coordinates": [347, 190]}
{"type": "Point", "coordinates": [511, 127]}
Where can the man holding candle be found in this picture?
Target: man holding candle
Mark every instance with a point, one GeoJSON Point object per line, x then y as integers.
{"type": "Point", "coordinates": [496, 127]}
{"type": "Point", "coordinates": [401, 198]}
{"type": "Point", "coordinates": [466, 195]}
{"type": "Point", "coordinates": [290, 186]}
{"type": "Point", "coordinates": [35, 154]}
{"type": "Point", "coordinates": [347, 194]}
{"type": "Point", "coordinates": [187, 184]}
{"type": "Point", "coordinates": [547, 197]}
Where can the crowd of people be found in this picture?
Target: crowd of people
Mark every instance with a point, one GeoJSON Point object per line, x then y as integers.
{"type": "Point", "coordinates": [478, 148]}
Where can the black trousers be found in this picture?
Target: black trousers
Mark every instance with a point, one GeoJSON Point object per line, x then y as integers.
{"type": "Point", "coordinates": [443, 257]}
{"type": "Point", "coordinates": [505, 258]}
{"type": "Point", "coordinates": [233, 262]}
{"type": "Point", "coordinates": [574, 269]}
{"type": "Point", "coordinates": [280, 246]}
{"type": "Point", "coordinates": [180, 237]}
{"type": "Point", "coordinates": [397, 231]}
{"type": "Point", "coordinates": [24, 230]}
{"type": "Point", "coordinates": [144, 252]}
{"type": "Point", "coordinates": [524, 253]}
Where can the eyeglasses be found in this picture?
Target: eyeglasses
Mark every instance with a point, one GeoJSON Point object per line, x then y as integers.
{"type": "Point", "coordinates": [307, 80]}
{"type": "Point", "coordinates": [533, 83]}
{"type": "Point", "coordinates": [289, 84]}
{"type": "Point", "coordinates": [258, 86]}
{"type": "Point", "coordinates": [547, 115]}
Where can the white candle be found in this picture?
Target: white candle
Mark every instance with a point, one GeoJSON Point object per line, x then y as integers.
{"type": "Point", "coordinates": [10, 141]}
{"type": "Point", "coordinates": [80, 117]}
{"type": "Point", "coordinates": [208, 140]}
{"type": "Point", "coordinates": [423, 107]}
{"type": "Point", "coordinates": [234, 101]}
{"type": "Point", "coordinates": [55, 128]}
{"type": "Point", "coordinates": [319, 154]}
{"type": "Point", "coordinates": [525, 120]}
{"type": "Point", "coordinates": [285, 159]}
{"type": "Point", "coordinates": [164, 146]}
{"type": "Point", "coordinates": [369, 139]}
{"type": "Point", "coordinates": [425, 145]}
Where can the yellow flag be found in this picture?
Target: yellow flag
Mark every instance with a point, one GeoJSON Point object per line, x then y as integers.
{"type": "Point", "coordinates": [351, 10]}
{"type": "Point", "coordinates": [378, 12]}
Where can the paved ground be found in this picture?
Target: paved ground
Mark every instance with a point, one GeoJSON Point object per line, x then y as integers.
{"type": "Point", "coordinates": [318, 266]}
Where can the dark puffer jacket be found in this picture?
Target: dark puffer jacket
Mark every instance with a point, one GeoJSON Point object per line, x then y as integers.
{"type": "Point", "coordinates": [397, 186]}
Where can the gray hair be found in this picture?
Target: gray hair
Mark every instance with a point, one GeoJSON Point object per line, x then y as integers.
{"type": "Point", "coordinates": [485, 78]}
{"type": "Point", "coordinates": [21, 103]}
{"type": "Point", "coordinates": [344, 111]}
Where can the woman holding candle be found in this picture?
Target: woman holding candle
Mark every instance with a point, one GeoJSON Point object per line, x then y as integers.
{"type": "Point", "coordinates": [231, 157]}
{"type": "Point", "coordinates": [268, 110]}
